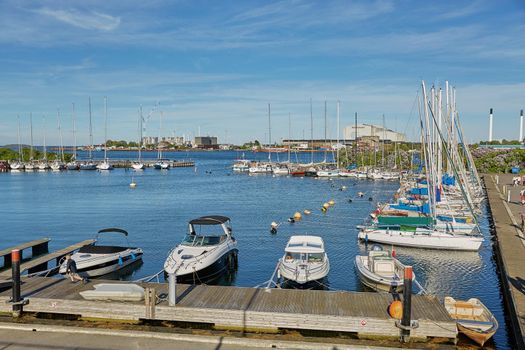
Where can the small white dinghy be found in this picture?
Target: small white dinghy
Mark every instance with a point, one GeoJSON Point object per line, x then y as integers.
{"type": "Point", "coordinates": [114, 291]}
{"type": "Point", "coordinates": [380, 271]}
{"type": "Point", "coordinates": [473, 318]}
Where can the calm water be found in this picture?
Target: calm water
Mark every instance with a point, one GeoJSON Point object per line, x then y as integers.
{"type": "Point", "coordinates": [72, 206]}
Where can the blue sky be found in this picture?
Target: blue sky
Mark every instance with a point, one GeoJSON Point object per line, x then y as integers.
{"type": "Point", "coordinates": [217, 64]}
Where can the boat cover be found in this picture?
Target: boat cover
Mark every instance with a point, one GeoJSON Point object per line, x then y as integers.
{"type": "Point", "coordinates": [210, 220]}
{"type": "Point", "coordinates": [114, 291]}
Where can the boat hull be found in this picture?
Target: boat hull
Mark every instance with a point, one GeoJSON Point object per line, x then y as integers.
{"type": "Point", "coordinates": [226, 263]}
{"type": "Point", "coordinates": [432, 240]}
{"type": "Point", "coordinates": [99, 266]}
{"type": "Point", "coordinates": [376, 282]}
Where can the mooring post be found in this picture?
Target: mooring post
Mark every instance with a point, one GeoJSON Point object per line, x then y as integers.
{"type": "Point", "coordinates": [15, 275]}
{"type": "Point", "coordinates": [172, 289]}
{"type": "Point", "coordinates": [497, 179]}
{"type": "Point", "coordinates": [407, 303]}
{"type": "Point", "coordinates": [508, 196]}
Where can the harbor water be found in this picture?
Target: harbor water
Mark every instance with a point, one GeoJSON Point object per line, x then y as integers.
{"type": "Point", "coordinates": [71, 206]}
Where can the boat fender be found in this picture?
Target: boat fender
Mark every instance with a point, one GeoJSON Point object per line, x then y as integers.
{"type": "Point", "coordinates": [120, 262]}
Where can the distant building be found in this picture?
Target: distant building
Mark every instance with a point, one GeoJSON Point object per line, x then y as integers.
{"type": "Point", "coordinates": [206, 142]}
{"type": "Point", "coordinates": [150, 140]}
{"type": "Point", "coordinates": [370, 130]}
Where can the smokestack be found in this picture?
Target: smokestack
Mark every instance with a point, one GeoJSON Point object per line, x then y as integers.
{"type": "Point", "coordinates": [521, 126]}
{"type": "Point", "coordinates": [490, 125]}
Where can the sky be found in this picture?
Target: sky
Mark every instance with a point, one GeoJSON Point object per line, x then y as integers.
{"type": "Point", "coordinates": [214, 66]}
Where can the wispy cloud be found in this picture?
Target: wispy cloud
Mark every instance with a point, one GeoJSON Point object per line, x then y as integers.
{"type": "Point", "coordinates": [84, 20]}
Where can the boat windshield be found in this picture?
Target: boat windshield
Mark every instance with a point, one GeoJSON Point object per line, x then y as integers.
{"type": "Point", "coordinates": [202, 241]}
{"type": "Point", "coordinates": [311, 257]}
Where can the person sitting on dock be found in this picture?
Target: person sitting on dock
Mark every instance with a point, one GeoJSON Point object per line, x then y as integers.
{"type": "Point", "coordinates": [522, 195]}
{"type": "Point", "coordinates": [71, 270]}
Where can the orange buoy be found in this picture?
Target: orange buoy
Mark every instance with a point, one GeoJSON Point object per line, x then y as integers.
{"type": "Point", "coordinates": [297, 216]}
{"type": "Point", "coordinates": [326, 205]}
{"type": "Point", "coordinates": [331, 202]}
{"type": "Point", "coordinates": [395, 309]}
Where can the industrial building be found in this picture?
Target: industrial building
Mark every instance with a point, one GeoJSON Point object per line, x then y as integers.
{"type": "Point", "coordinates": [372, 131]}
{"type": "Point", "coordinates": [206, 142]}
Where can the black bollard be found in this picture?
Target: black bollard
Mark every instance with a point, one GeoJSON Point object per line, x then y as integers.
{"type": "Point", "coordinates": [15, 275]}
{"type": "Point", "coordinates": [407, 303]}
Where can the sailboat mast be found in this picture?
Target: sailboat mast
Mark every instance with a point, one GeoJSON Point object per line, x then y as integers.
{"type": "Point", "coordinates": [90, 131]}
{"type": "Point", "coordinates": [338, 146]}
{"type": "Point", "coordinates": [140, 134]}
{"type": "Point", "coordinates": [74, 133]}
{"type": "Point", "coordinates": [289, 135]}
{"type": "Point", "coordinates": [383, 145]}
{"type": "Point", "coordinates": [269, 135]}
{"type": "Point", "coordinates": [60, 135]}
{"type": "Point", "coordinates": [45, 149]}
{"type": "Point", "coordinates": [19, 145]}
{"type": "Point", "coordinates": [325, 131]}
{"type": "Point", "coordinates": [31, 128]}
{"type": "Point", "coordinates": [105, 128]}
{"type": "Point", "coordinates": [312, 130]}
{"type": "Point", "coordinates": [158, 142]}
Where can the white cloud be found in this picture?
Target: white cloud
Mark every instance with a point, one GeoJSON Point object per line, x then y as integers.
{"type": "Point", "coordinates": [84, 20]}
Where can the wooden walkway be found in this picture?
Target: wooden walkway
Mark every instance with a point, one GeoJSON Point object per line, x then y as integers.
{"type": "Point", "coordinates": [38, 247]}
{"type": "Point", "coordinates": [509, 250]}
{"type": "Point", "coordinates": [40, 263]}
{"type": "Point", "coordinates": [245, 308]}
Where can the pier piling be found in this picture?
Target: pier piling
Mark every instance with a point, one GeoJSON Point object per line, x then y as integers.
{"type": "Point", "coordinates": [172, 289]}
{"type": "Point", "coordinates": [15, 274]}
{"type": "Point", "coordinates": [407, 304]}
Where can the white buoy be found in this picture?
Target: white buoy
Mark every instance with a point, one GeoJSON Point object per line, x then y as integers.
{"type": "Point", "coordinates": [132, 184]}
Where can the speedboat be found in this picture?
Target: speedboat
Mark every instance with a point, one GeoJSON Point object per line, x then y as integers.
{"type": "Point", "coordinates": [380, 271]}
{"type": "Point", "coordinates": [208, 251]}
{"type": "Point", "coordinates": [96, 260]}
{"type": "Point", "coordinates": [241, 165]}
{"type": "Point", "coordinates": [328, 173]}
{"type": "Point", "coordinates": [472, 318]}
{"type": "Point", "coordinates": [162, 164]}
{"type": "Point", "coordinates": [305, 263]}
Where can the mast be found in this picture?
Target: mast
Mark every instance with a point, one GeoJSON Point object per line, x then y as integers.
{"type": "Point", "coordinates": [45, 149]}
{"type": "Point", "coordinates": [355, 140]}
{"type": "Point", "coordinates": [312, 130]}
{"type": "Point", "coordinates": [105, 128]}
{"type": "Point", "coordinates": [140, 134]}
{"type": "Point", "coordinates": [19, 145]}
{"type": "Point", "coordinates": [90, 155]}
{"type": "Point", "coordinates": [289, 134]}
{"type": "Point", "coordinates": [324, 131]}
{"type": "Point", "coordinates": [74, 133]}
{"type": "Point", "coordinates": [31, 128]}
{"type": "Point", "coordinates": [338, 146]}
{"type": "Point", "coordinates": [383, 145]}
{"type": "Point", "coordinates": [60, 135]}
{"type": "Point", "coordinates": [269, 135]}
{"type": "Point", "coordinates": [159, 152]}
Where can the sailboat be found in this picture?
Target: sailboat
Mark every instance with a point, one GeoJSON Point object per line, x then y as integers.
{"type": "Point", "coordinates": [19, 164]}
{"type": "Point", "coordinates": [264, 167]}
{"type": "Point", "coordinates": [58, 164]}
{"type": "Point", "coordinates": [73, 164]}
{"type": "Point", "coordinates": [139, 165]}
{"type": "Point", "coordinates": [89, 164]}
{"type": "Point", "coordinates": [43, 165]}
{"type": "Point", "coordinates": [30, 166]}
{"type": "Point", "coordinates": [105, 165]}
{"type": "Point", "coordinates": [161, 163]}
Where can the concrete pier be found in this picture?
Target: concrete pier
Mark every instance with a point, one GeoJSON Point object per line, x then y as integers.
{"type": "Point", "coordinates": [509, 248]}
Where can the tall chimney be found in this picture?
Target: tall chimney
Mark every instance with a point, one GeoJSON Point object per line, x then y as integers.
{"type": "Point", "coordinates": [490, 125]}
{"type": "Point", "coordinates": [521, 126]}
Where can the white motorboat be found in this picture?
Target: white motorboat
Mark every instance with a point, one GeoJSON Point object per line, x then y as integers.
{"type": "Point", "coordinates": [361, 174]}
{"type": "Point", "coordinates": [347, 173]}
{"type": "Point", "coordinates": [208, 251]}
{"type": "Point", "coordinates": [380, 271]}
{"type": "Point", "coordinates": [261, 168]}
{"type": "Point", "coordinates": [43, 166]}
{"type": "Point", "coordinates": [16, 165]}
{"type": "Point", "coordinates": [30, 166]}
{"type": "Point", "coordinates": [105, 165]}
{"type": "Point", "coordinates": [241, 165]}
{"type": "Point", "coordinates": [473, 318]}
{"type": "Point", "coordinates": [305, 262]}
{"type": "Point", "coordinates": [421, 238]}
{"type": "Point", "coordinates": [73, 166]}
{"type": "Point", "coordinates": [328, 173]}
{"type": "Point", "coordinates": [96, 260]}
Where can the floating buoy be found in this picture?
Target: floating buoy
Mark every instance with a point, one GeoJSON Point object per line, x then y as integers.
{"type": "Point", "coordinates": [273, 227]}
{"type": "Point", "coordinates": [326, 205]}
{"type": "Point", "coordinates": [370, 199]}
{"type": "Point", "coordinates": [349, 200]}
{"type": "Point", "coordinates": [291, 220]}
{"type": "Point", "coordinates": [331, 202]}
{"type": "Point", "coordinates": [343, 188]}
{"type": "Point", "coordinates": [307, 212]}
{"type": "Point", "coordinates": [297, 216]}
{"type": "Point", "coordinates": [132, 184]}
{"type": "Point", "coordinates": [395, 309]}
{"type": "Point", "coordinates": [323, 209]}
{"type": "Point", "coordinates": [360, 194]}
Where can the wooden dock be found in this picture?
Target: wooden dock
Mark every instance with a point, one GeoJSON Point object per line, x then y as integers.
{"type": "Point", "coordinates": [38, 247]}
{"type": "Point", "coordinates": [246, 309]}
{"type": "Point", "coordinates": [509, 248]}
{"type": "Point", "coordinates": [150, 163]}
{"type": "Point", "coordinates": [40, 263]}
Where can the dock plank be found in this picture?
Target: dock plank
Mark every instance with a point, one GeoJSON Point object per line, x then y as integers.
{"type": "Point", "coordinates": [24, 246]}
{"type": "Point", "coordinates": [47, 258]}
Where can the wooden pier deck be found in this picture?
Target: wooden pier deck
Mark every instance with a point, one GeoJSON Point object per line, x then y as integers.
{"type": "Point", "coordinates": [236, 308]}
{"type": "Point", "coordinates": [40, 263]}
{"type": "Point", "coordinates": [38, 247]}
{"type": "Point", "coordinates": [509, 249]}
